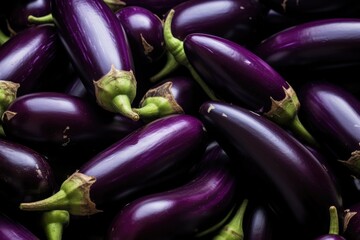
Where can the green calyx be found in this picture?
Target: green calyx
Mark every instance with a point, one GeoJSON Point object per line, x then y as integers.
{"type": "Point", "coordinates": [116, 91]}
{"type": "Point", "coordinates": [234, 229]}
{"type": "Point", "coordinates": [53, 223]}
{"type": "Point", "coordinates": [158, 102]}
{"type": "Point", "coordinates": [73, 196]}
{"type": "Point", "coordinates": [353, 163]}
{"type": "Point", "coordinates": [115, 5]}
{"type": "Point", "coordinates": [3, 38]}
{"type": "Point", "coordinates": [284, 112]}
{"type": "Point", "coordinates": [41, 20]}
{"type": "Point", "coordinates": [8, 91]}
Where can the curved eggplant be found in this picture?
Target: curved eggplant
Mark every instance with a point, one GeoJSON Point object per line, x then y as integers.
{"type": "Point", "coordinates": [315, 44]}
{"type": "Point", "coordinates": [99, 49]}
{"type": "Point", "coordinates": [231, 19]}
{"type": "Point", "coordinates": [11, 229]}
{"type": "Point", "coordinates": [35, 46]}
{"type": "Point", "coordinates": [183, 212]}
{"type": "Point", "coordinates": [161, 148]}
{"type": "Point", "coordinates": [59, 121]}
{"type": "Point", "coordinates": [242, 78]}
{"type": "Point", "coordinates": [175, 95]}
{"type": "Point", "coordinates": [283, 173]}
{"type": "Point", "coordinates": [25, 175]}
{"type": "Point", "coordinates": [352, 222]}
{"type": "Point", "coordinates": [332, 114]}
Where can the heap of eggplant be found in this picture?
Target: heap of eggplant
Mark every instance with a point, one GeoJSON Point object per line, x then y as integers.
{"type": "Point", "coordinates": [179, 119]}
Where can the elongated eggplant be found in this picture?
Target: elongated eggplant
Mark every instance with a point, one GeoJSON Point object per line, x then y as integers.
{"type": "Point", "coordinates": [324, 43]}
{"type": "Point", "coordinates": [242, 78]}
{"type": "Point", "coordinates": [333, 227]}
{"type": "Point", "coordinates": [282, 171]}
{"type": "Point", "coordinates": [25, 175]}
{"type": "Point", "coordinates": [176, 95]}
{"type": "Point", "coordinates": [12, 229]}
{"type": "Point", "coordinates": [232, 19]}
{"type": "Point", "coordinates": [333, 115]}
{"type": "Point", "coordinates": [183, 212]}
{"type": "Point", "coordinates": [36, 46]}
{"type": "Point", "coordinates": [99, 49]}
{"type": "Point", "coordinates": [352, 222]}
{"type": "Point", "coordinates": [161, 148]}
{"type": "Point", "coordinates": [59, 121]}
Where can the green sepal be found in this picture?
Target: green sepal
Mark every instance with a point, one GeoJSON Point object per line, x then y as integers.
{"type": "Point", "coordinates": [353, 163]}
{"type": "Point", "coordinates": [8, 91]}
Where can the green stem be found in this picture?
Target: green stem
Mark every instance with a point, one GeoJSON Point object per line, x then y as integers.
{"type": "Point", "coordinates": [298, 128]}
{"type": "Point", "coordinates": [115, 5]}
{"type": "Point", "coordinates": [3, 38]}
{"type": "Point", "coordinates": [2, 133]}
{"type": "Point", "coordinates": [150, 110]}
{"type": "Point", "coordinates": [170, 65]}
{"type": "Point", "coordinates": [234, 229]}
{"type": "Point", "coordinates": [334, 221]}
{"type": "Point", "coordinates": [53, 223]}
{"type": "Point", "coordinates": [41, 20]}
{"type": "Point", "coordinates": [176, 47]}
{"type": "Point", "coordinates": [122, 105]}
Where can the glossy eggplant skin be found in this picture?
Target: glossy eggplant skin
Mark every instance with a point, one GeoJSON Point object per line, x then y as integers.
{"type": "Point", "coordinates": [11, 229]}
{"type": "Point", "coordinates": [25, 175]}
{"type": "Point", "coordinates": [182, 212]}
{"type": "Point", "coordinates": [18, 17]}
{"type": "Point", "coordinates": [332, 114]}
{"type": "Point", "coordinates": [231, 19]}
{"type": "Point", "coordinates": [164, 146]}
{"type": "Point", "coordinates": [352, 223]}
{"type": "Point", "coordinates": [62, 122]}
{"type": "Point", "coordinates": [35, 46]}
{"type": "Point", "coordinates": [145, 32]}
{"type": "Point", "coordinates": [318, 43]}
{"type": "Point", "coordinates": [282, 171]}
{"type": "Point", "coordinates": [330, 237]}
{"type": "Point", "coordinates": [238, 75]}
{"type": "Point", "coordinates": [159, 7]}
{"type": "Point", "coordinates": [93, 37]}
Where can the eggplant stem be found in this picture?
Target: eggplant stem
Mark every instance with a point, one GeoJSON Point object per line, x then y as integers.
{"type": "Point", "coordinates": [234, 229]}
{"type": "Point", "coordinates": [3, 38]}
{"type": "Point", "coordinates": [41, 20]}
{"type": "Point", "coordinates": [2, 133]}
{"type": "Point", "coordinates": [170, 65]}
{"type": "Point", "coordinates": [334, 221]}
{"type": "Point", "coordinates": [123, 105]}
{"type": "Point", "coordinates": [115, 5]}
{"type": "Point", "coordinates": [58, 201]}
{"type": "Point", "coordinates": [53, 223]}
{"type": "Point", "coordinates": [298, 128]}
{"type": "Point", "coordinates": [176, 47]}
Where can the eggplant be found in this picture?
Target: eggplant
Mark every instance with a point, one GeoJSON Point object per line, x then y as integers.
{"type": "Point", "coordinates": [323, 43]}
{"type": "Point", "coordinates": [35, 46]}
{"type": "Point", "coordinates": [334, 227]}
{"type": "Point", "coordinates": [25, 175]}
{"type": "Point", "coordinates": [332, 114]}
{"type": "Point", "coordinates": [11, 229]}
{"type": "Point", "coordinates": [242, 78]}
{"type": "Point", "coordinates": [98, 47]}
{"type": "Point", "coordinates": [282, 171]}
{"type": "Point", "coordinates": [162, 148]}
{"type": "Point", "coordinates": [352, 222]}
{"type": "Point", "coordinates": [175, 95]}
{"type": "Point", "coordinates": [185, 211]}
{"type": "Point", "coordinates": [159, 7]}
{"type": "Point", "coordinates": [232, 19]}
{"type": "Point", "coordinates": [18, 17]}
{"type": "Point", "coordinates": [58, 121]}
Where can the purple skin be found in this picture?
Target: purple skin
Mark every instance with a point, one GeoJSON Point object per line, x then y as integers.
{"type": "Point", "coordinates": [284, 173]}
{"type": "Point", "coordinates": [182, 212]}
{"type": "Point", "coordinates": [145, 32]}
{"type": "Point", "coordinates": [99, 48]}
{"type": "Point", "coordinates": [163, 147]}
{"type": "Point", "coordinates": [325, 42]}
{"type": "Point", "coordinates": [11, 229]}
{"type": "Point", "coordinates": [242, 78]}
{"type": "Point", "coordinates": [159, 7]}
{"type": "Point", "coordinates": [258, 222]}
{"type": "Point", "coordinates": [35, 46]}
{"type": "Point", "coordinates": [330, 237]}
{"type": "Point", "coordinates": [25, 174]}
{"type": "Point", "coordinates": [18, 17]}
{"type": "Point", "coordinates": [60, 121]}
{"type": "Point", "coordinates": [352, 222]}
{"type": "Point", "coordinates": [331, 113]}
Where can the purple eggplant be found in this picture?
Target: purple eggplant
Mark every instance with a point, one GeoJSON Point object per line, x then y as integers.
{"type": "Point", "coordinates": [175, 95]}
{"type": "Point", "coordinates": [159, 7]}
{"type": "Point", "coordinates": [162, 147]}
{"type": "Point", "coordinates": [18, 17]}
{"type": "Point", "coordinates": [98, 46]}
{"type": "Point", "coordinates": [332, 114]}
{"type": "Point", "coordinates": [334, 227]}
{"type": "Point", "coordinates": [282, 171]}
{"type": "Point", "coordinates": [25, 175]}
{"type": "Point", "coordinates": [352, 222]}
{"type": "Point", "coordinates": [36, 46]}
{"type": "Point", "coordinates": [183, 212]}
{"type": "Point", "coordinates": [242, 78]}
{"type": "Point", "coordinates": [59, 121]}
{"type": "Point", "coordinates": [323, 43]}
{"type": "Point", "coordinates": [231, 19]}
{"type": "Point", "coordinates": [11, 229]}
